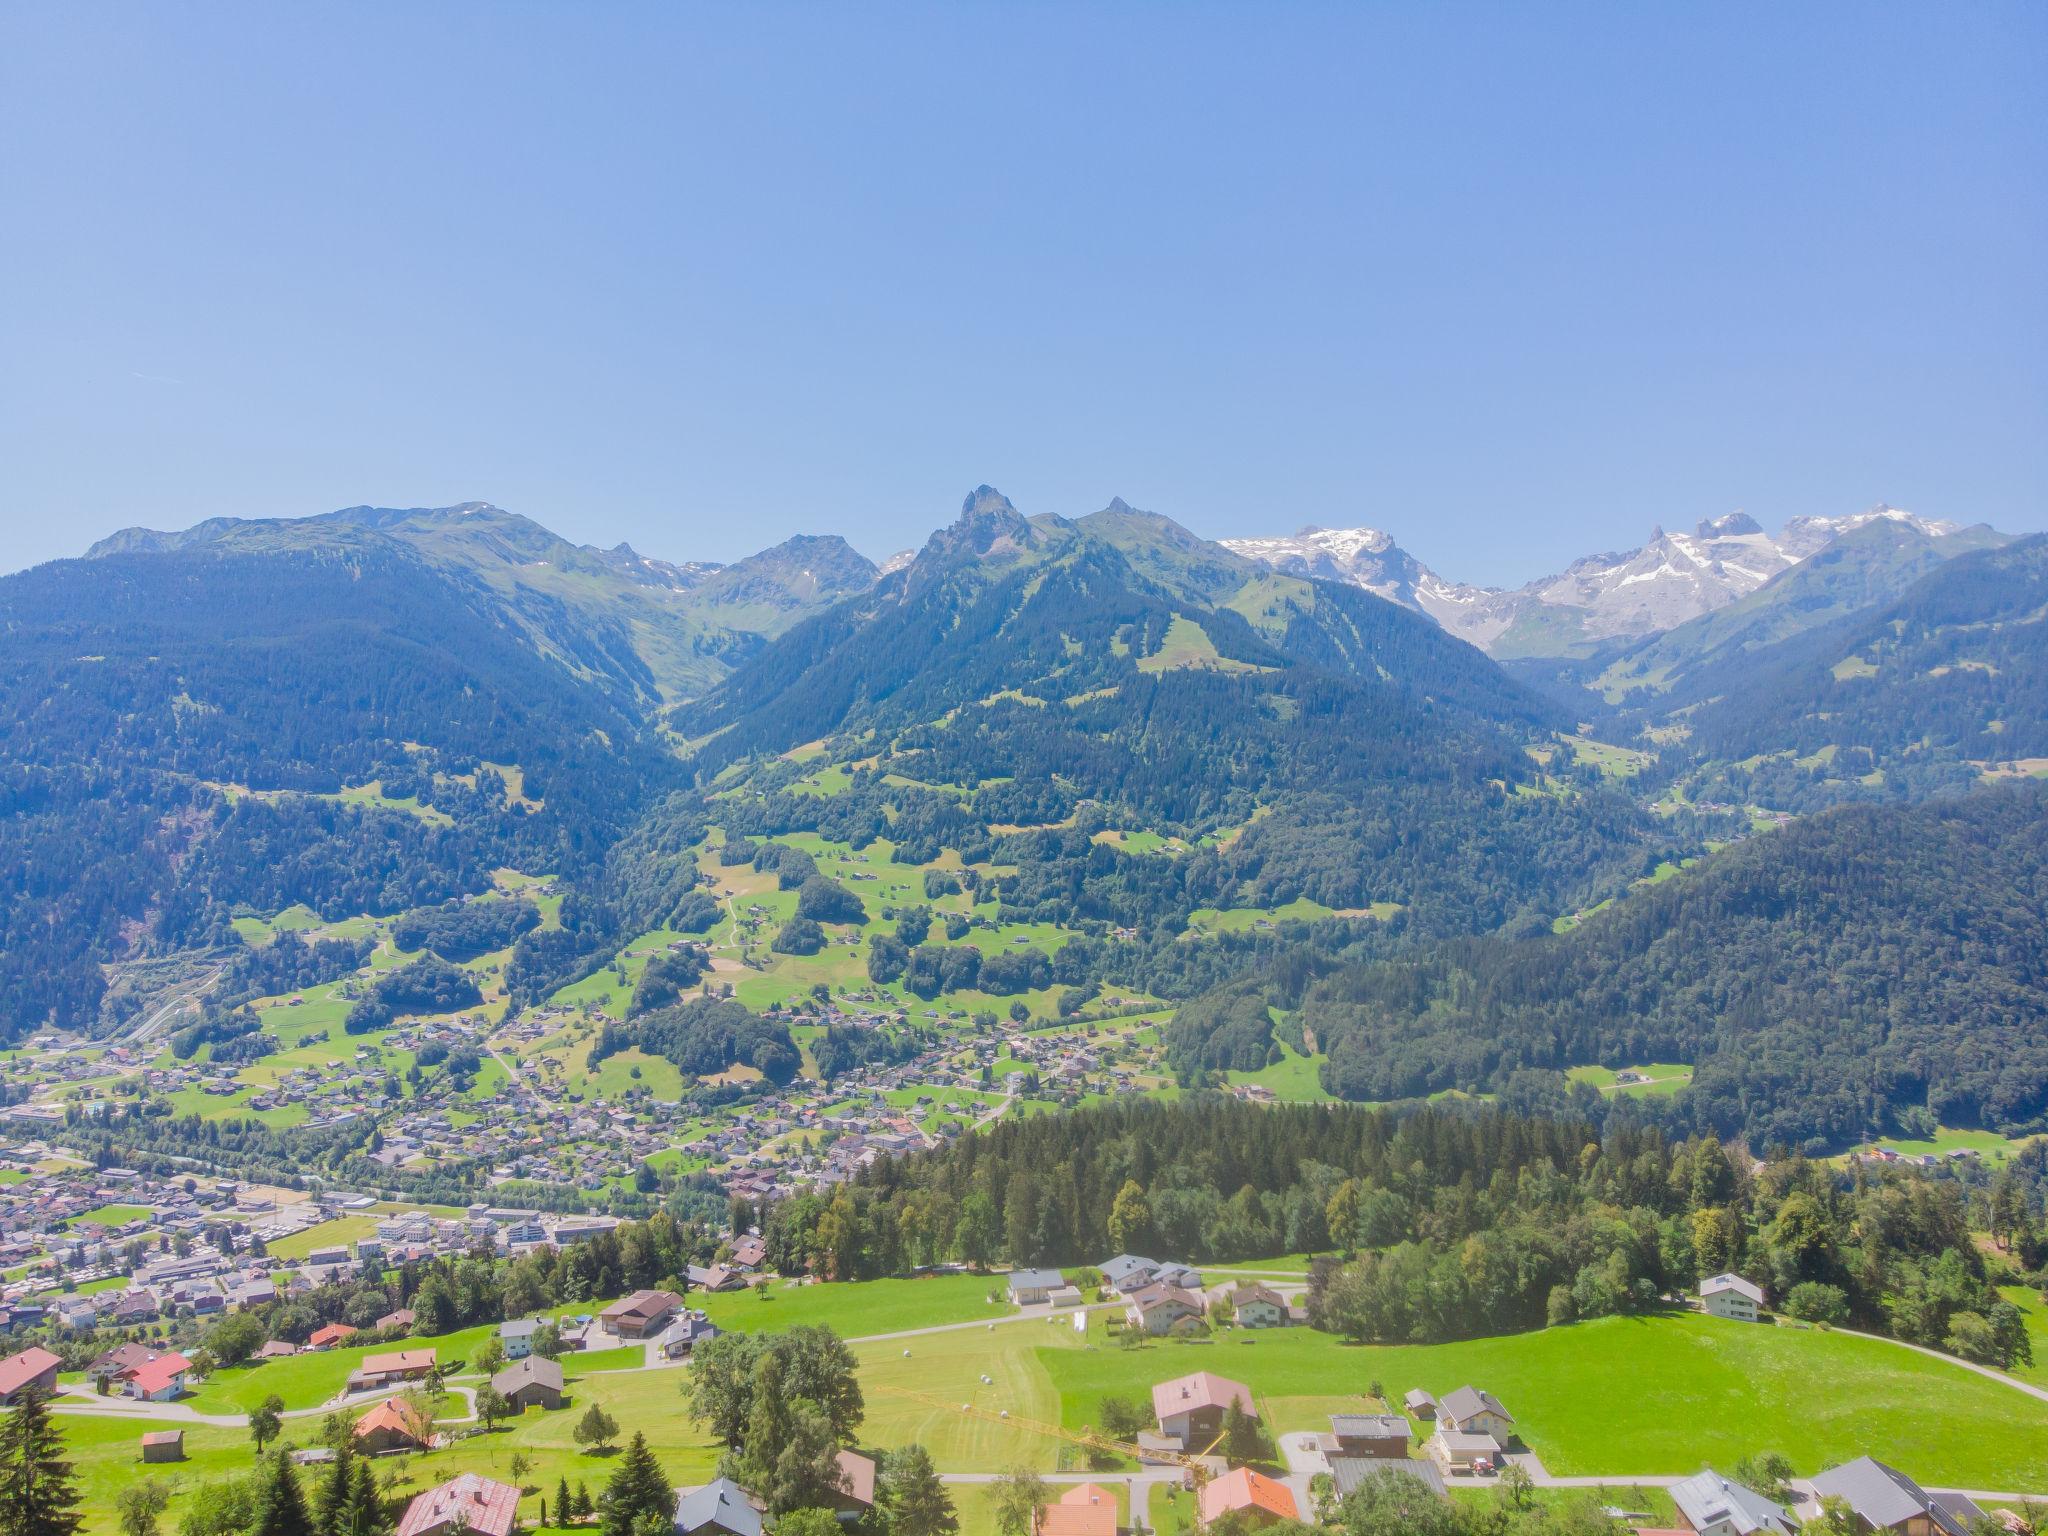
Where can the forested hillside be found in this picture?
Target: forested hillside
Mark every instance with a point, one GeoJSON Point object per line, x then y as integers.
{"type": "Point", "coordinates": [1824, 981]}
{"type": "Point", "coordinates": [187, 731]}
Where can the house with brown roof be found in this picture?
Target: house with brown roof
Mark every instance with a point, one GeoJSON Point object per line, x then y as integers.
{"type": "Point", "coordinates": [1159, 1309]}
{"type": "Point", "coordinates": [1190, 1409]}
{"type": "Point", "coordinates": [469, 1503]}
{"type": "Point", "coordinates": [33, 1369]}
{"type": "Point", "coordinates": [534, 1382]}
{"type": "Point", "coordinates": [640, 1315]}
{"type": "Point", "coordinates": [856, 1486]}
{"type": "Point", "coordinates": [1263, 1499]}
{"type": "Point", "coordinates": [1258, 1306]}
{"type": "Point", "coordinates": [392, 1366]}
{"type": "Point", "coordinates": [327, 1335]}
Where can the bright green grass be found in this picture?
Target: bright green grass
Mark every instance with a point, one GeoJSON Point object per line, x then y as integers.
{"type": "Point", "coordinates": [113, 1215]}
{"type": "Point", "coordinates": [858, 1308]}
{"type": "Point", "coordinates": [1993, 1148]}
{"type": "Point", "coordinates": [1294, 1078]}
{"type": "Point", "coordinates": [338, 1233]}
{"type": "Point", "coordinates": [1636, 1397]}
{"type": "Point", "coordinates": [1665, 1078]}
{"type": "Point", "coordinates": [2028, 1300]}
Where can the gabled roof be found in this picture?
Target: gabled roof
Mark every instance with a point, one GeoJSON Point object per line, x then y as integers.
{"type": "Point", "coordinates": [857, 1476]}
{"type": "Point", "coordinates": [1467, 1401]}
{"type": "Point", "coordinates": [1369, 1426]}
{"type": "Point", "coordinates": [1348, 1472]}
{"type": "Point", "coordinates": [1086, 1509]}
{"type": "Point", "coordinates": [1162, 1295]}
{"type": "Point", "coordinates": [1711, 1498]}
{"type": "Point", "coordinates": [1885, 1496]}
{"type": "Point", "coordinates": [152, 1376]}
{"type": "Point", "coordinates": [721, 1501]}
{"type": "Point", "coordinates": [1035, 1279]}
{"type": "Point", "coordinates": [1204, 1389]}
{"type": "Point", "coordinates": [1717, 1284]}
{"type": "Point", "coordinates": [394, 1413]}
{"type": "Point", "coordinates": [643, 1304]}
{"type": "Point", "coordinates": [17, 1371]}
{"type": "Point", "coordinates": [534, 1370]}
{"type": "Point", "coordinates": [397, 1362]}
{"type": "Point", "coordinates": [1243, 1488]}
{"type": "Point", "coordinates": [471, 1501]}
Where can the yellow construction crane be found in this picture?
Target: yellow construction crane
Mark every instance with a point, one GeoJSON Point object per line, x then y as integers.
{"type": "Point", "coordinates": [1192, 1464]}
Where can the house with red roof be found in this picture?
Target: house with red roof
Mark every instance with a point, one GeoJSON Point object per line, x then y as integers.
{"type": "Point", "coordinates": [1260, 1497]}
{"type": "Point", "coordinates": [470, 1502]}
{"type": "Point", "coordinates": [327, 1335]}
{"type": "Point", "coordinates": [32, 1369]}
{"type": "Point", "coordinates": [156, 1380]}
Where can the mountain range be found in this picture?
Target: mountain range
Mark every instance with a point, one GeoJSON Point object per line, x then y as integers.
{"type": "Point", "coordinates": [1599, 603]}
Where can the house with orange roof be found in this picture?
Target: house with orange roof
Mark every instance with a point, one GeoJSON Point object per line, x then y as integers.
{"type": "Point", "coordinates": [393, 1425]}
{"type": "Point", "coordinates": [327, 1335]}
{"type": "Point", "coordinates": [1260, 1497]}
{"type": "Point", "coordinates": [394, 1366]}
{"type": "Point", "coordinates": [1086, 1509]}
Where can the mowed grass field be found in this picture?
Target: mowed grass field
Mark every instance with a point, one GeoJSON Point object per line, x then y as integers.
{"type": "Point", "coordinates": [1634, 1396]}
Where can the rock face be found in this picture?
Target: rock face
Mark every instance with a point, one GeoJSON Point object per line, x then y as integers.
{"type": "Point", "coordinates": [1594, 602]}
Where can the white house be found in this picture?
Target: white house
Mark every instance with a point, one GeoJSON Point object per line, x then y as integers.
{"type": "Point", "coordinates": [1731, 1296]}
{"type": "Point", "coordinates": [517, 1337]}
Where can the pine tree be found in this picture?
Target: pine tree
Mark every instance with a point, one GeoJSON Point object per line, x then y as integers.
{"type": "Point", "coordinates": [636, 1491]}
{"type": "Point", "coordinates": [37, 1496]}
{"type": "Point", "coordinates": [917, 1501]}
{"type": "Point", "coordinates": [565, 1511]}
{"type": "Point", "coordinates": [330, 1506]}
{"type": "Point", "coordinates": [281, 1505]}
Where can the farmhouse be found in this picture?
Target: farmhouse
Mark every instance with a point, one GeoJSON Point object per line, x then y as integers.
{"type": "Point", "coordinates": [1190, 1409]}
{"type": "Point", "coordinates": [1033, 1287]}
{"type": "Point", "coordinates": [327, 1335]}
{"type": "Point", "coordinates": [1473, 1412]}
{"type": "Point", "coordinates": [1262, 1499]}
{"type": "Point", "coordinates": [640, 1315]}
{"type": "Point", "coordinates": [32, 1368]}
{"type": "Point", "coordinates": [534, 1382]}
{"type": "Point", "coordinates": [469, 1503]}
{"type": "Point", "coordinates": [1086, 1509]}
{"type": "Point", "coordinates": [1731, 1296]}
{"type": "Point", "coordinates": [1885, 1499]}
{"type": "Point", "coordinates": [1713, 1505]}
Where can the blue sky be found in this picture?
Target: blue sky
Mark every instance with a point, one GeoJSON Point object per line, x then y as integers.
{"type": "Point", "coordinates": [1514, 283]}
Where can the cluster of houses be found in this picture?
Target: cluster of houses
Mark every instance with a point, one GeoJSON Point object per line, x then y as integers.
{"type": "Point", "coordinates": [1882, 1501]}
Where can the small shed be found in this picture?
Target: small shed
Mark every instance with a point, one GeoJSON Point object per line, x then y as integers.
{"type": "Point", "coordinates": [164, 1445]}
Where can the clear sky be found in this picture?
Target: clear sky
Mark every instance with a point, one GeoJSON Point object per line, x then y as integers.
{"type": "Point", "coordinates": [1513, 282]}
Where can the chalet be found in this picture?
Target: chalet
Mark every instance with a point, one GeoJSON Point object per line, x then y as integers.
{"type": "Point", "coordinates": [396, 1322]}
{"type": "Point", "coordinates": [719, 1277]}
{"type": "Point", "coordinates": [391, 1367]}
{"type": "Point", "coordinates": [641, 1315]}
{"type": "Point", "coordinates": [1159, 1309]}
{"type": "Point", "coordinates": [164, 1445]}
{"type": "Point", "coordinates": [1259, 1499]}
{"type": "Point", "coordinates": [1190, 1409]}
{"type": "Point", "coordinates": [534, 1382]}
{"type": "Point", "coordinates": [1258, 1306]}
{"type": "Point", "coordinates": [1034, 1287]}
{"type": "Point", "coordinates": [1885, 1499]}
{"type": "Point", "coordinates": [1731, 1296]}
{"type": "Point", "coordinates": [32, 1369]}
{"type": "Point", "coordinates": [327, 1335]}
{"type": "Point", "coordinates": [469, 1503]}
{"type": "Point", "coordinates": [748, 1254]}
{"type": "Point", "coordinates": [1086, 1509]}
{"type": "Point", "coordinates": [393, 1425]}
{"type": "Point", "coordinates": [1712, 1505]}
{"type": "Point", "coordinates": [119, 1359]}
{"type": "Point", "coordinates": [1377, 1436]}
{"type": "Point", "coordinates": [720, 1508]}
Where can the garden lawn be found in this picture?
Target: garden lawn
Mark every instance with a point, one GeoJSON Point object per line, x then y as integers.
{"type": "Point", "coordinates": [338, 1233]}
{"type": "Point", "coordinates": [1634, 1396]}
